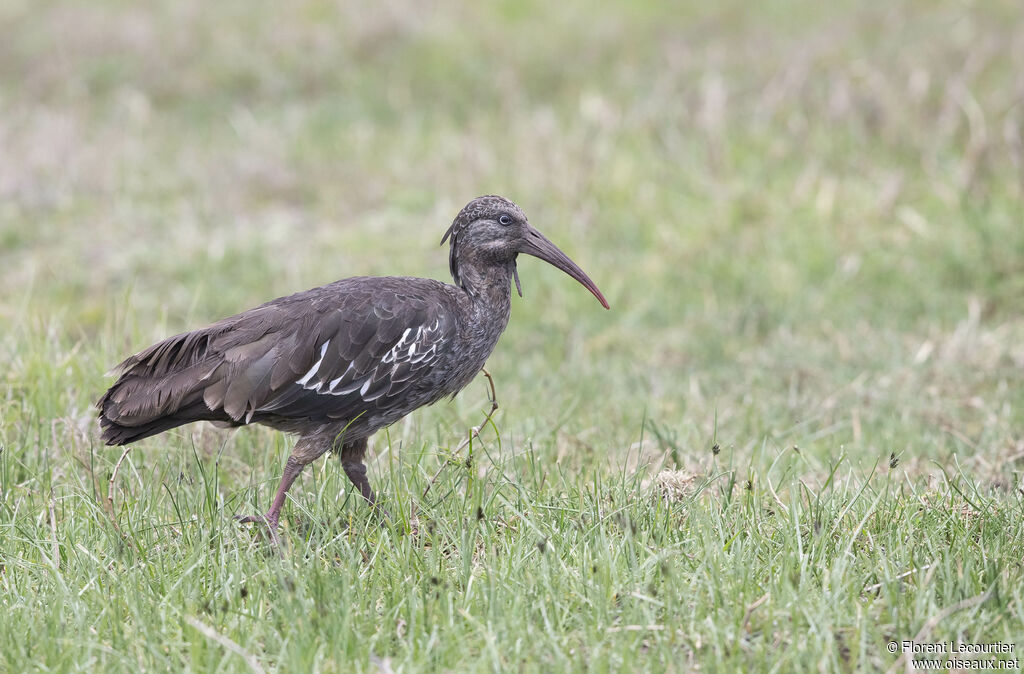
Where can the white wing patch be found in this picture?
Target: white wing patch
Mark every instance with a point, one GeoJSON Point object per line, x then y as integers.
{"type": "Point", "coordinates": [316, 366]}
{"type": "Point", "coordinates": [390, 356]}
{"type": "Point", "coordinates": [413, 347]}
{"type": "Point", "coordinates": [405, 349]}
{"type": "Point", "coordinates": [334, 382]}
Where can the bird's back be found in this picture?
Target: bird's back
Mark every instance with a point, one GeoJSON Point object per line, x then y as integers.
{"type": "Point", "coordinates": [357, 354]}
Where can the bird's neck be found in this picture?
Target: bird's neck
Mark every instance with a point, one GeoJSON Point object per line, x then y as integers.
{"type": "Point", "coordinates": [485, 303]}
{"type": "Point", "coordinates": [489, 284]}
{"type": "Point", "coordinates": [489, 289]}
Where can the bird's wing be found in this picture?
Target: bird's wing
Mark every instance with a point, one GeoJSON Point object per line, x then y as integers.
{"type": "Point", "coordinates": [329, 353]}
{"type": "Point", "coordinates": [360, 361]}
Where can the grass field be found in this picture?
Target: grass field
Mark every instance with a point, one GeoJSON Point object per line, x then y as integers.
{"type": "Point", "coordinates": [797, 437]}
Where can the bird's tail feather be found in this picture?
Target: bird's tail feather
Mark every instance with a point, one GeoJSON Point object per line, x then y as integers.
{"type": "Point", "coordinates": [159, 389]}
{"type": "Point", "coordinates": [115, 434]}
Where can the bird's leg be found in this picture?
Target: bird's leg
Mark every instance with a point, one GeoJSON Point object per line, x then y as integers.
{"type": "Point", "coordinates": [292, 468]}
{"type": "Point", "coordinates": [356, 471]}
{"type": "Point", "coordinates": [352, 461]}
{"type": "Point", "coordinates": [306, 450]}
{"type": "Point", "coordinates": [492, 397]}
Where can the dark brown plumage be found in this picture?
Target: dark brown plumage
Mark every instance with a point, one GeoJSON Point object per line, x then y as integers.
{"type": "Point", "coordinates": [337, 363]}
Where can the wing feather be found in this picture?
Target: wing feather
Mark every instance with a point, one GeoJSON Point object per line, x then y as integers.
{"type": "Point", "coordinates": [389, 347]}
{"type": "Point", "coordinates": [336, 352]}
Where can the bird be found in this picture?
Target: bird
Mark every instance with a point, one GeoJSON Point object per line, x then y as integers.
{"type": "Point", "coordinates": [337, 363]}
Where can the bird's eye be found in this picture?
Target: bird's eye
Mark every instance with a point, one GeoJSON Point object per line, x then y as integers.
{"type": "Point", "coordinates": [505, 219]}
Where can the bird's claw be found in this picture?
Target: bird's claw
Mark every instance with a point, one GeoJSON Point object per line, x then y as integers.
{"type": "Point", "coordinates": [382, 513]}
{"type": "Point", "coordinates": [269, 520]}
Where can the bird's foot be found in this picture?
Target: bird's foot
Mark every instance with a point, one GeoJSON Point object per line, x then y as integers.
{"type": "Point", "coordinates": [270, 519]}
{"type": "Point", "coordinates": [377, 509]}
{"type": "Point", "coordinates": [382, 513]}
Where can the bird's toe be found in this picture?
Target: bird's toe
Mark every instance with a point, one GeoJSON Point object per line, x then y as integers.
{"type": "Point", "coordinates": [269, 520]}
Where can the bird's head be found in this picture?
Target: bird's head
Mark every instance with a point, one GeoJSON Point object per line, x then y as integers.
{"type": "Point", "coordinates": [493, 231]}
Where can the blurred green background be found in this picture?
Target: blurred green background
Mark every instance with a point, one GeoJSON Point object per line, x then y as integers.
{"type": "Point", "coordinates": [807, 218]}
{"type": "Point", "coordinates": [785, 202]}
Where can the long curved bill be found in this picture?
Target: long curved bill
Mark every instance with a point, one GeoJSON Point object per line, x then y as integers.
{"type": "Point", "coordinates": [538, 245]}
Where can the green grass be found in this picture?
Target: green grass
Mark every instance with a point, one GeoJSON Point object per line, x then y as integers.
{"type": "Point", "coordinates": [808, 221]}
